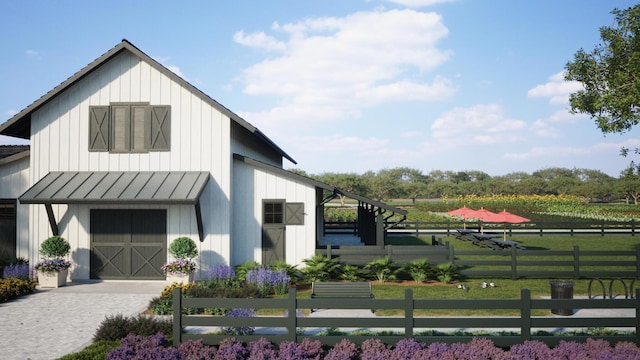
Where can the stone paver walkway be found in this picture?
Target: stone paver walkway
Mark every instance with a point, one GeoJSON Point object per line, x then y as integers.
{"type": "Point", "coordinates": [55, 322]}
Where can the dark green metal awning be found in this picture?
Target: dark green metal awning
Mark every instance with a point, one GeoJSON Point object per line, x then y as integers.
{"type": "Point", "coordinates": [118, 187]}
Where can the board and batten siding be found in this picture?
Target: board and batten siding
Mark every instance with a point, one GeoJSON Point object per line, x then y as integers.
{"type": "Point", "coordinates": [200, 141]}
{"type": "Point", "coordinates": [252, 186]}
{"type": "Point", "coordinates": [15, 181]}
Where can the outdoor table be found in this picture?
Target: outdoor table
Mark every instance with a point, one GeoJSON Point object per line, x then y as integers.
{"type": "Point", "coordinates": [503, 243]}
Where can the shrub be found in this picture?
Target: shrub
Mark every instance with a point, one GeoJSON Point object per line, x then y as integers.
{"type": "Point", "coordinates": [136, 347]}
{"type": "Point", "coordinates": [17, 271]}
{"type": "Point", "coordinates": [419, 270]}
{"type": "Point", "coordinates": [266, 280]}
{"type": "Point", "coordinates": [221, 275]}
{"type": "Point", "coordinates": [294, 274]}
{"type": "Point", "coordinates": [320, 268]}
{"type": "Point", "coordinates": [183, 248]}
{"type": "Point", "coordinates": [54, 247]}
{"type": "Point", "coordinates": [351, 273]}
{"type": "Point", "coordinates": [12, 288]}
{"type": "Point", "coordinates": [381, 268]}
{"type": "Point", "coordinates": [242, 269]}
{"type": "Point", "coordinates": [447, 272]}
{"type": "Point", "coordinates": [118, 326]}
{"type": "Point", "coordinates": [97, 350]}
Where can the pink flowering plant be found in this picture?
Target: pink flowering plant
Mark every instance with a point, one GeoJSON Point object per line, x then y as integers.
{"type": "Point", "coordinates": [48, 266]}
{"type": "Point", "coordinates": [179, 267]}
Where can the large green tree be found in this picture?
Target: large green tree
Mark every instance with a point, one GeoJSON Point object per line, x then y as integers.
{"type": "Point", "coordinates": [610, 75]}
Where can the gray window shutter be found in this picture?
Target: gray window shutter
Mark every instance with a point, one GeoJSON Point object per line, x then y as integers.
{"type": "Point", "coordinates": [120, 128]}
{"type": "Point", "coordinates": [159, 127]}
{"type": "Point", "coordinates": [98, 128]}
{"type": "Point", "coordinates": [294, 214]}
{"type": "Point", "coordinates": [138, 128]}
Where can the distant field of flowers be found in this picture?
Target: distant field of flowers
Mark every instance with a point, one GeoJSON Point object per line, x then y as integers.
{"type": "Point", "coordinates": [538, 208]}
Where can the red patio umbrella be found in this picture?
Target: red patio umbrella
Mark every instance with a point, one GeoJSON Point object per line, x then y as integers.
{"type": "Point", "coordinates": [463, 212]}
{"type": "Point", "coordinates": [484, 215]}
{"type": "Point", "coordinates": [506, 217]}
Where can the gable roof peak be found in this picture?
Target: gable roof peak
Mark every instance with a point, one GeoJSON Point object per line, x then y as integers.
{"type": "Point", "coordinates": [20, 124]}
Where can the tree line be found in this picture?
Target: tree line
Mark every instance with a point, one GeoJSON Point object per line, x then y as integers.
{"type": "Point", "coordinates": [410, 183]}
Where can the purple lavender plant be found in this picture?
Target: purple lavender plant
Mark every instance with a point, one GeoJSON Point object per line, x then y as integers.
{"type": "Point", "coordinates": [17, 271]}
{"type": "Point", "coordinates": [261, 350]}
{"type": "Point", "coordinates": [307, 349]}
{"type": "Point", "coordinates": [136, 347]}
{"type": "Point", "coordinates": [406, 349]}
{"type": "Point", "coordinates": [231, 349]}
{"type": "Point", "coordinates": [625, 350]}
{"type": "Point", "coordinates": [568, 350]}
{"type": "Point", "coordinates": [221, 274]}
{"type": "Point", "coordinates": [344, 350]}
{"type": "Point", "coordinates": [436, 350]}
{"type": "Point", "coordinates": [280, 281]}
{"type": "Point", "coordinates": [259, 277]}
{"type": "Point", "coordinates": [374, 349]}
{"type": "Point", "coordinates": [240, 330]}
{"type": "Point", "coordinates": [530, 350]}
{"type": "Point", "coordinates": [196, 349]}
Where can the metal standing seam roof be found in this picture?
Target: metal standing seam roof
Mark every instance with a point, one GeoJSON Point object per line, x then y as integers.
{"type": "Point", "coordinates": [117, 187]}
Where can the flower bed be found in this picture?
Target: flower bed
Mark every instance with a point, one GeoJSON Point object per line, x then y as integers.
{"type": "Point", "coordinates": [11, 288]}
{"type": "Point", "coordinates": [157, 346]}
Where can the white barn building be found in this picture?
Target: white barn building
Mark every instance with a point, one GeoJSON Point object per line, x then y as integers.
{"type": "Point", "coordinates": [125, 156]}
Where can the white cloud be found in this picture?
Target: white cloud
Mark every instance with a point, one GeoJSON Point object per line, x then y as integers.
{"type": "Point", "coordinates": [32, 53]}
{"type": "Point", "coordinates": [556, 89]}
{"type": "Point", "coordinates": [331, 68]}
{"type": "Point", "coordinates": [482, 124]}
{"type": "Point", "coordinates": [259, 40]}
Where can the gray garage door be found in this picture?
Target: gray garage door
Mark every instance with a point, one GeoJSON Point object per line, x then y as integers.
{"type": "Point", "coordinates": [128, 244]}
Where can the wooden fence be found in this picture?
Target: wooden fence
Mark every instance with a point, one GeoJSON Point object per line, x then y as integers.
{"type": "Point", "coordinates": [571, 228]}
{"type": "Point", "coordinates": [291, 326]}
{"type": "Point", "coordinates": [513, 263]}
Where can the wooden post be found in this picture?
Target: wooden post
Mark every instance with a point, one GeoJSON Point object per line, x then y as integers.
{"type": "Point", "coordinates": [177, 316]}
{"type": "Point", "coordinates": [408, 313]}
{"type": "Point", "coordinates": [633, 227]}
{"type": "Point", "coordinates": [292, 319]}
{"type": "Point", "coordinates": [576, 262]}
{"type": "Point", "coordinates": [514, 263]}
{"type": "Point", "coordinates": [525, 314]}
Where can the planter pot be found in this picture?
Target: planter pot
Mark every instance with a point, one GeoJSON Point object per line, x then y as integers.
{"type": "Point", "coordinates": [186, 278]}
{"type": "Point", "coordinates": [53, 280]}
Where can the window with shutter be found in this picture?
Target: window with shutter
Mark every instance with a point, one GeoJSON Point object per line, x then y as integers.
{"type": "Point", "coordinates": [129, 127]}
{"type": "Point", "coordinates": [159, 125]}
{"type": "Point", "coordinates": [98, 128]}
{"type": "Point", "coordinates": [294, 213]}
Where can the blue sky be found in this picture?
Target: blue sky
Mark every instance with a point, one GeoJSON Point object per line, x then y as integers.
{"type": "Point", "coordinates": [349, 85]}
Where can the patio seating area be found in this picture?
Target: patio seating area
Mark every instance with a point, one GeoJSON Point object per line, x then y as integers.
{"type": "Point", "coordinates": [489, 240]}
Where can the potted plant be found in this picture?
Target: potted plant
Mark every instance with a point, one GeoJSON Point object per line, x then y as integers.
{"type": "Point", "coordinates": [54, 269]}
{"type": "Point", "coordinates": [181, 269]}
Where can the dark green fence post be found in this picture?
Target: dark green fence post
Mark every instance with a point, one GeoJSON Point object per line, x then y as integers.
{"type": "Point", "coordinates": [633, 227]}
{"type": "Point", "coordinates": [576, 262]}
{"type": "Point", "coordinates": [390, 252]}
{"type": "Point", "coordinates": [329, 251]}
{"type": "Point", "coordinates": [177, 316]}
{"type": "Point", "coordinates": [451, 254]}
{"type": "Point", "coordinates": [637, 262]}
{"type": "Point", "coordinates": [514, 263]}
{"type": "Point", "coordinates": [637, 316]}
{"type": "Point", "coordinates": [292, 318]}
{"type": "Point", "coordinates": [602, 228]}
{"type": "Point", "coordinates": [408, 313]}
{"type": "Point", "coordinates": [525, 314]}
{"type": "Point", "coordinates": [417, 228]}
{"type": "Point", "coordinates": [541, 226]}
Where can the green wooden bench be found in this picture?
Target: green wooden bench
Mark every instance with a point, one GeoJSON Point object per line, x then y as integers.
{"type": "Point", "coordinates": [341, 290]}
